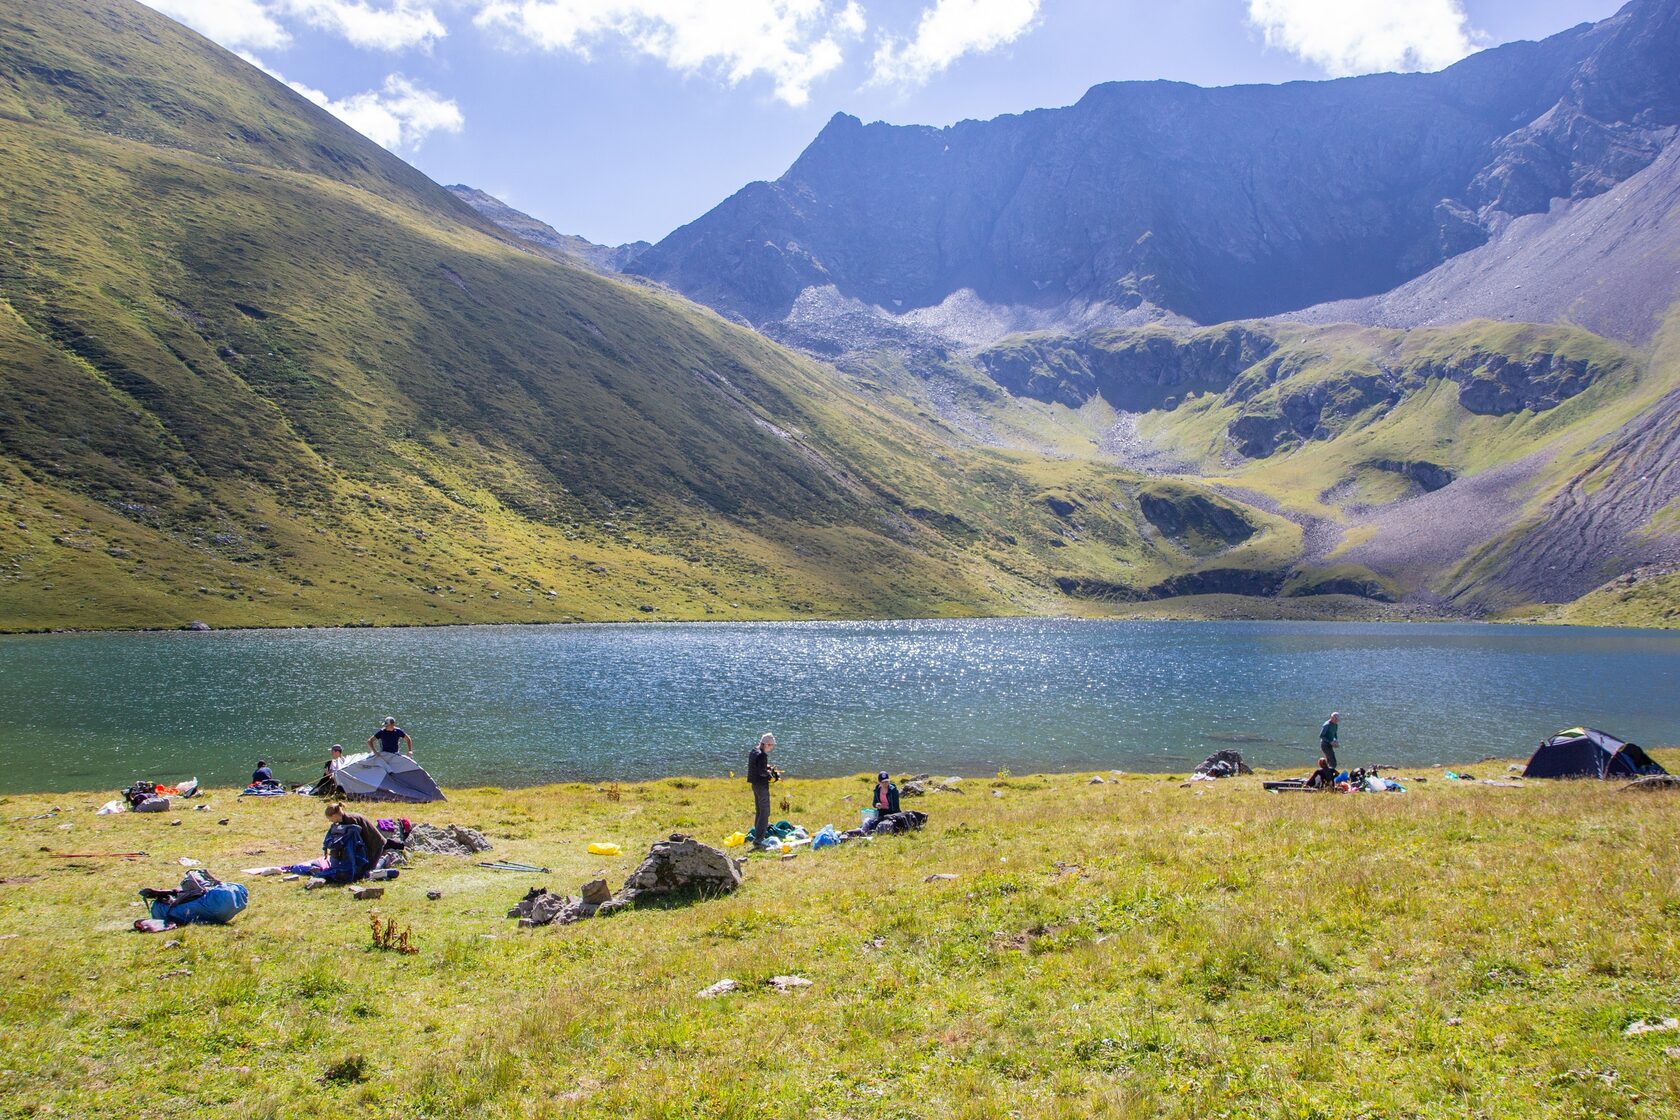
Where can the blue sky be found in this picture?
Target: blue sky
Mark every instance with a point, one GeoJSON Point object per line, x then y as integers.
{"type": "Point", "coordinates": [622, 119]}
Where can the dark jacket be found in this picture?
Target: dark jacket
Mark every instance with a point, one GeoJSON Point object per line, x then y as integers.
{"type": "Point", "coordinates": [372, 839]}
{"type": "Point", "coordinates": [758, 767]}
{"type": "Point", "coordinates": [892, 798]}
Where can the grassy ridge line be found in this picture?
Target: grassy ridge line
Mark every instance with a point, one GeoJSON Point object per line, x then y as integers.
{"type": "Point", "coordinates": [1127, 949]}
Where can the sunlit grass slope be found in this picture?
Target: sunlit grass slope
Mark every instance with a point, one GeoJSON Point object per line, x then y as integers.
{"type": "Point", "coordinates": [254, 370]}
{"type": "Point", "coordinates": [1127, 949]}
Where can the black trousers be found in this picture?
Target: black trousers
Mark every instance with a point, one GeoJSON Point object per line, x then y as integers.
{"type": "Point", "coordinates": [761, 811]}
{"type": "Point", "coordinates": [1328, 750]}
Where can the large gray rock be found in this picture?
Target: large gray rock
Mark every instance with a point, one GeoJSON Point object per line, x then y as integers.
{"type": "Point", "coordinates": [680, 867]}
{"type": "Point", "coordinates": [450, 840]}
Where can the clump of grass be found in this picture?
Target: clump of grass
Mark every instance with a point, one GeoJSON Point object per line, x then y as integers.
{"type": "Point", "coordinates": [345, 1071]}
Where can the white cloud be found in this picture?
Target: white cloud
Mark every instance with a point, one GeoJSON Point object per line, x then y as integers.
{"type": "Point", "coordinates": [232, 23]}
{"type": "Point", "coordinates": [392, 26]}
{"type": "Point", "coordinates": [791, 42]}
{"type": "Point", "coordinates": [257, 24]}
{"type": "Point", "coordinates": [1349, 37]}
{"type": "Point", "coordinates": [948, 31]}
{"type": "Point", "coordinates": [398, 115]}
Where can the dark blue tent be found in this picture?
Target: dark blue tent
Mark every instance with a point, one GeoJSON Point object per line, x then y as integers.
{"type": "Point", "coordinates": [1582, 752]}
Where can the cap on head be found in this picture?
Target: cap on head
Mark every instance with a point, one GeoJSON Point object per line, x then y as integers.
{"type": "Point", "coordinates": [881, 777]}
{"type": "Point", "coordinates": [1335, 716]}
{"type": "Point", "coordinates": [390, 721]}
{"type": "Point", "coordinates": [338, 748]}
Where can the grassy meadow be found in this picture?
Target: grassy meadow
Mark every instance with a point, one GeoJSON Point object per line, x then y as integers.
{"type": "Point", "coordinates": [1126, 949]}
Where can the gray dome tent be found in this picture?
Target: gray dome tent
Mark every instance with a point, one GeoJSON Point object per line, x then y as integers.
{"type": "Point", "coordinates": [385, 776]}
{"type": "Point", "coordinates": [1582, 752]}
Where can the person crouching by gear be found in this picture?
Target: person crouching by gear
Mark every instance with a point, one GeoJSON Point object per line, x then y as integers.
{"type": "Point", "coordinates": [759, 775]}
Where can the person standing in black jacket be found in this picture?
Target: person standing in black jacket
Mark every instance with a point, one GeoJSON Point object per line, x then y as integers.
{"type": "Point", "coordinates": [759, 775]}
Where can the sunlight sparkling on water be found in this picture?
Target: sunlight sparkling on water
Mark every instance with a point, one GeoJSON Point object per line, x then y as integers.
{"type": "Point", "coordinates": [515, 705]}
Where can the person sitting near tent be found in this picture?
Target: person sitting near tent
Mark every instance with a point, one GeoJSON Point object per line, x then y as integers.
{"type": "Point", "coordinates": [335, 759]}
{"type": "Point", "coordinates": [372, 839]}
{"type": "Point", "coordinates": [262, 773]}
{"type": "Point", "coordinates": [350, 850]}
{"type": "Point", "coordinates": [391, 738]}
{"type": "Point", "coordinates": [1328, 737]}
{"type": "Point", "coordinates": [1324, 777]}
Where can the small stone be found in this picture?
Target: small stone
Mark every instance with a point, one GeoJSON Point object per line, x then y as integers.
{"type": "Point", "coordinates": [528, 923]}
{"type": "Point", "coordinates": [1099, 780]}
{"type": "Point", "coordinates": [434, 895]}
{"type": "Point", "coordinates": [1651, 1026]}
{"type": "Point", "coordinates": [721, 988]}
{"type": "Point", "coordinates": [196, 625]}
{"type": "Point", "coordinates": [290, 878]}
{"type": "Point", "coordinates": [938, 877]}
{"type": "Point", "coordinates": [997, 793]}
{"type": "Point", "coordinates": [171, 944]}
{"type": "Point", "coordinates": [788, 983]}
{"type": "Point", "coordinates": [224, 820]}
{"type": "Point", "coordinates": [596, 891]}
{"type": "Point", "coordinates": [367, 893]}
{"type": "Point", "coordinates": [1455, 1021]}
{"type": "Point", "coordinates": [174, 824]}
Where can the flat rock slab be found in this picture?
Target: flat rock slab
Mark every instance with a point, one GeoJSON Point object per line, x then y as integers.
{"type": "Point", "coordinates": [366, 893]}
{"type": "Point", "coordinates": [721, 988]}
{"type": "Point", "coordinates": [788, 983]}
{"type": "Point", "coordinates": [1652, 1026]}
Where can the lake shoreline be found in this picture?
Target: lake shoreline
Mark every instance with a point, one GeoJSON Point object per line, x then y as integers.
{"type": "Point", "coordinates": [1160, 610]}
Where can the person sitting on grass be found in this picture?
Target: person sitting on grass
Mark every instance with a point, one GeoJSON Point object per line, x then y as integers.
{"type": "Point", "coordinates": [351, 849]}
{"type": "Point", "coordinates": [885, 798]}
{"type": "Point", "coordinates": [262, 773]}
{"type": "Point", "coordinates": [1324, 777]}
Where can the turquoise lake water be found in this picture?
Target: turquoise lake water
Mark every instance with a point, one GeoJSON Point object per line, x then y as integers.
{"type": "Point", "coordinates": [521, 705]}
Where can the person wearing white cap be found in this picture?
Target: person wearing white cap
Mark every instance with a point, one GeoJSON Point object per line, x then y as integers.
{"type": "Point", "coordinates": [391, 738]}
{"type": "Point", "coordinates": [1327, 739]}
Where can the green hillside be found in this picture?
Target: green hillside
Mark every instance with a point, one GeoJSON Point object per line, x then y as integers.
{"type": "Point", "coordinates": [254, 370]}
{"type": "Point", "coordinates": [1486, 468]}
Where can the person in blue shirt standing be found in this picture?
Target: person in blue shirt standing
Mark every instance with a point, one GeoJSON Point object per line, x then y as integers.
{"type": "Point", "coordinates": [391, 738]}
{"type": "Point", "coordinates": [1327, 739]}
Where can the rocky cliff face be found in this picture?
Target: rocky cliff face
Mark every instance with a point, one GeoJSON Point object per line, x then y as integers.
{"type": "Point", "coordinates": [1212, 204]}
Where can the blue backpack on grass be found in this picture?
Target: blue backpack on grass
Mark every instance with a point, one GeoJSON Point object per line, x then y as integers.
{"type": "Point", "coordinates": [201, 899]}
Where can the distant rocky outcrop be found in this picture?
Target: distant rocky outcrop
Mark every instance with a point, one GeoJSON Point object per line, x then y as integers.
{"type": "Point", "coordinates": [602, 258]}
